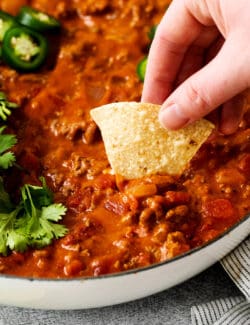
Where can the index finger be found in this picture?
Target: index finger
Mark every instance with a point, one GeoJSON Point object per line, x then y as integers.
{"type": "Point", "coordinates": [177, 30]}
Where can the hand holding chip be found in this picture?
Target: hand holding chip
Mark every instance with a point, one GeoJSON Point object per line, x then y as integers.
{"type": "Point", "coordinates": [200, 60]}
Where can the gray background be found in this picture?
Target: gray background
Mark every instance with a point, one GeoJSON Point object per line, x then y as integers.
{"type": "Point", "coordinates": [169, 307]}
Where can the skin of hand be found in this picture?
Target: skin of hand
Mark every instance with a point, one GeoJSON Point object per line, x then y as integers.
{"type": "Point", "coordinates": [199, 60]}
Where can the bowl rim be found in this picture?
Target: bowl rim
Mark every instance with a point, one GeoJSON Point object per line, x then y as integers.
{"type": "Point", "coordinates": [131, 271]}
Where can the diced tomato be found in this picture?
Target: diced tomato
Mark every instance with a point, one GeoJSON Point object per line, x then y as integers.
{"type": "Point", "coordinates": [105, 181]}
{"type": "Point", "coordinates": [218, 208]}
{"type": "Point", "coordinates": [121, 204]}
{"type": "Point", "coordinates": [81, 200]}
{"type": "Point", "coordinates": [74, 200]}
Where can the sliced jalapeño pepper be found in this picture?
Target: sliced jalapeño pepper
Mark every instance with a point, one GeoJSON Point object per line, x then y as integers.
{"type": "Point", "coordinates": [24, 49]}
{"type": "Point", "coordinates": [141, 68]}
{"type": "Point", "coordinates": [151, 33]}
{"type": "Point", "coordinates": [6, 22]}
{"type": "Point", "coordinates": [37, 20]}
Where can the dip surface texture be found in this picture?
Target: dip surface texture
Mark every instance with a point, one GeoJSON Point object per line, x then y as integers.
{"type": "Point", "coordinates": [114, 224]}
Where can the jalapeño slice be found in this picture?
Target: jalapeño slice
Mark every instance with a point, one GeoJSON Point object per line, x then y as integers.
{"type": "Point", "coordinates": [37, 20]}
{"type": "Point", "coordinates": [141, 68]}
{"type": "Point", "coordinates": [24, 49]}
{"type": "Point", "coordinates": [152, 31]}
{"type": "Point", "coordinates": [6, 22]}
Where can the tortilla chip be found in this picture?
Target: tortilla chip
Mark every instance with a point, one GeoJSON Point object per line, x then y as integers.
{"type": "Point", "coordinates": [137, 145]}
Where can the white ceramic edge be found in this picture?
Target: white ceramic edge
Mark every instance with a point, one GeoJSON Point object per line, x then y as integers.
{"type": "Point", "coordinates": [118, 288]}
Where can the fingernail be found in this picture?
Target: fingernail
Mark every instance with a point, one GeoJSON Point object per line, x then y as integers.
{"type": "Point", "coordinates": [171, 118]}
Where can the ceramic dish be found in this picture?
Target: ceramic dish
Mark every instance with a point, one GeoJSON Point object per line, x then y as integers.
{"type": "Point", "coordinates": [92, 292]}
{"type": "Point", "coordinates": [115, 227]}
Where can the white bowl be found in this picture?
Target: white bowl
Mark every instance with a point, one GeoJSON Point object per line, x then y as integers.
{"type": "Point", "coordinates": [90, 292]}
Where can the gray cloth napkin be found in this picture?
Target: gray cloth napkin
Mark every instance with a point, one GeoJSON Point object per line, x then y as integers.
{"type": "Point", "coordinates": [233, 310]}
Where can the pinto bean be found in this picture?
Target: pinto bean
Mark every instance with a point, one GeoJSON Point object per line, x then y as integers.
{"type": "Point", "coordinates": [145, 216]}
{"type": "Point", "coordinates": [177, 212]}
{"type": "Point", "coordinates": [90, 133]}
{"type": "Point", "coordinates": [174, 245]}
{"type": "Point", "coordinates": [176, 236]}
{"type": "Point", "coordinates": [162, 182]}
{"type": "Point", "coordinates": [229, 176]}
{"type": "Point", "coordinates": [156, 203]}
{"type": "Point", "coordinates": [160, 232]}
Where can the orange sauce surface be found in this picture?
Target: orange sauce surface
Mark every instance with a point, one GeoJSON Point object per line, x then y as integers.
{"type": "Point", "coordinates": [112, 225]}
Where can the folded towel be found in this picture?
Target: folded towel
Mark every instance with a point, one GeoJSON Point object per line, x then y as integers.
{"type": "Point", "coordinates": [233, 310]}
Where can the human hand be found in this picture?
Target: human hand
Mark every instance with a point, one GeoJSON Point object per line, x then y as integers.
{"type": "Point", "coordinates": [200, 60]}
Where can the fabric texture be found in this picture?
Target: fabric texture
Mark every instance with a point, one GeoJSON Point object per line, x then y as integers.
{"type": "Point", "coordinates": [232, 310]}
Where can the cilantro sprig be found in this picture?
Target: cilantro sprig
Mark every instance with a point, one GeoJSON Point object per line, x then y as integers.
{"type": "Point", "coordinates": [7, 141]}
{"type": "Point", "coordinates": [32, 222]}
{"type": "Point", "coordinates": [5, 106]}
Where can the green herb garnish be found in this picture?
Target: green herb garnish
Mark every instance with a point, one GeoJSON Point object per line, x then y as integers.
{"type": "Point", "coordinates": [32, 222]}
{"type": "Point", "coordinates": [5, 106]}
{"type": "Point", "coordinates": [7, 141]}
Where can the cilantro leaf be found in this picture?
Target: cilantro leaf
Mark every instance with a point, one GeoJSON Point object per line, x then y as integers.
{"type": "Point", "coordinates": [36, 196]}
{"type": "Point", "coordinates": [38, 205]}
{"type": "Point", "coordinates": [7, 141]}
{"type": "Point", "coordinates": [17, 240]}
{"type": "Point", "coordinates": [7, 160]}
{"type": "Point", "coordinates": [44, 229]}
{"type": "Point", "coordinates": [32, 223]}
{"type": "Point", "coordinates": [53, 212]}
{"type": "Point", "coordinates": [5, 106]}
{"type": "Point", "coordinates": [7, 226]}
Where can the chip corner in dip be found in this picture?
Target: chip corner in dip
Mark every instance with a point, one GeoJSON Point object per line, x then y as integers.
{"type": "Point", "coordinates": [137, 145]}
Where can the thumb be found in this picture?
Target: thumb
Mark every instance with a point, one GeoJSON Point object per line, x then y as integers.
{"type": "Point", "coordinates": [227, 75]}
